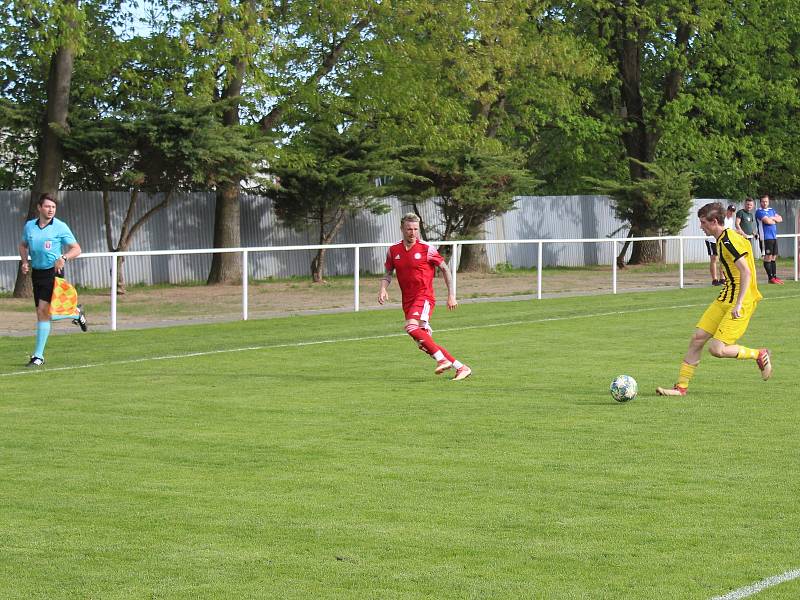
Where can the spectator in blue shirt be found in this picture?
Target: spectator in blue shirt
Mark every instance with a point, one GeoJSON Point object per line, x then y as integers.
{"type": "Point", "coordinates": [50, 244]}
{"type": "Point", "coordinates": [767, 219]}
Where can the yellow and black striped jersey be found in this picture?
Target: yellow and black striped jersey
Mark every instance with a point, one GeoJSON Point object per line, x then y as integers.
{"type": "Point", "coordinates": [731, 247]}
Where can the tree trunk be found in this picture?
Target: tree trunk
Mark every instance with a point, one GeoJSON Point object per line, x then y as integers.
{"type": "Point", "coordinates": [128, 228]}
{"type": "Point", "coordinates": [51, 154]}
{"type": "Point", "coordinates": [474, 258]}
{"type": "Point", "coordinates": [645, 252]}
{"type": "Point", "coordinates": [226, 267]}
{"type": "Point", "coordinates": [641, 136]}
{"type": "Point", "coordinates": [318, 266]}
{"type": "Point", "coordinates": [121, 274]}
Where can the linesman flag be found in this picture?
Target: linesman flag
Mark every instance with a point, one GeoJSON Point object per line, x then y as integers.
{"type": "Point", "coordinates": [64, 302]}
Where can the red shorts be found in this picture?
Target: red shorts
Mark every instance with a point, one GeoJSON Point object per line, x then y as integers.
{"type": "Point", "coordinates": [420, 309]}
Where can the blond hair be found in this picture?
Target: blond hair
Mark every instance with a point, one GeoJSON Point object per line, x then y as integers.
{"type": "Point", "coordinates": [412, 217]}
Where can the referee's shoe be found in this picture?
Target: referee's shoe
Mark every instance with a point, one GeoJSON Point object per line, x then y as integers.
{"type": "Point", "coordinates": [80, 320]}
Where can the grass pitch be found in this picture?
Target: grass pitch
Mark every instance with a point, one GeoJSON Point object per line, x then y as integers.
{"type": "Point", "coordinates": [319, 457]}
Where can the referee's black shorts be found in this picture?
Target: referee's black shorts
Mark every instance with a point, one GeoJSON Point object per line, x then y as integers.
{"type": "Point", "coordinates": [43, 282]}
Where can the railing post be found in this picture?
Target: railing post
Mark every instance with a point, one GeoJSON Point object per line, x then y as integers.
{"type": "Point", "coordinates": [680, 261]}
{"type": "Point", "coordinates": [796, 253]}
{"type": "Point", "coordinates": [539, 269]}
{"type": "Point", "coordinates": [613, 266]}
{"type": "Point", "coordinates": [454, 269]}
{"type": "Point", "coordinates": [356, 277]}
{"type": "Point", "coordinates": [113, 293]}
{"type": "Point", "coordinates": [245, 283]}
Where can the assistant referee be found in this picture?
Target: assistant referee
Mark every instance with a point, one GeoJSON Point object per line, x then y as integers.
{"type": "Point", "coordinates": [50, 244]}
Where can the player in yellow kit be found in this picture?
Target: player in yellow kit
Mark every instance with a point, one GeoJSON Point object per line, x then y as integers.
{"type": "Point", "coordinates": [726, 319]}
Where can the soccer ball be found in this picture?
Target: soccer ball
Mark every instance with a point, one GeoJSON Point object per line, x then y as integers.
{"type": "Point", "coordinates": [624, 388]}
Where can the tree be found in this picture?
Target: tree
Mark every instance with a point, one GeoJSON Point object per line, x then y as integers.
{"type": "Point", "coordinates": [326, 173]}
{"type": "Point", "coordinates": [469, 185]}
{"type": "Point", "coordinates": [704, 85]}
{"type": "Point", "coordinates": [54, 34]}
{"type": "Point", "coordinates": [472, 82]}
{"type": "Point", "coordinates": [738, 123]}
{"type": "Point", "coordinates": [663, 197]}
{"type": "Point", "coordinates": [158, 151]}
{"type": "Point", "coordinates": [261, 59]}
{"type": "Point", "coordinates": [648, 43]}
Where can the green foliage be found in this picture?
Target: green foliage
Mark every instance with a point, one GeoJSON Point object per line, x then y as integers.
{"type": "Point", "coordinates": [656, 205]}
{"type": "Point", "coordinates": [716, 80]}
{"type": "Point", "coordinates": [158, 149]}
{"type": "Point", "coordinates": [735, 123]}
{"type": "Point", "coordinates": [470, 184]}
{"type": "Point", "coordinates": [30, 33]}
{"type": "Point", "coordinates": [327, 172]}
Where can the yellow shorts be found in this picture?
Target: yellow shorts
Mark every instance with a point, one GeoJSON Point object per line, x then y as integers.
{"type": "Point", "coordinates": [717, 321]}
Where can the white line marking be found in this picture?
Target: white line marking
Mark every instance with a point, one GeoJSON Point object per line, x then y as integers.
{"type": "Point", "coordinates": [753, 589]}
{"type": "Point", "coordinates": [354, 339]}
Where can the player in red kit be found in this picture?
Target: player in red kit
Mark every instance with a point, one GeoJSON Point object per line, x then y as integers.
{"type": "Point", "coordinates": [414, 262]}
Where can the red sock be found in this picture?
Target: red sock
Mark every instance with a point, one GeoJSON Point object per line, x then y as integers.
{"type": "Point", "coordinates": [423, 337]}
{"type": "Point", "coordinates": [447, 355]}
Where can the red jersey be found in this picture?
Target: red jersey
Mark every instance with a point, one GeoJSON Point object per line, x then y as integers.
{"type": "Point", "coordinates": [415, 269]}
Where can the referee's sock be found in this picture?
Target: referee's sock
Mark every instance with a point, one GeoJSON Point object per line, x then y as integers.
{"type": "Point", "coordinates": [42, 333]}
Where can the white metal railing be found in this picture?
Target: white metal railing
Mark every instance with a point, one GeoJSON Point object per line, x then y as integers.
{"type": "Point", "coordinates": [245, 252]}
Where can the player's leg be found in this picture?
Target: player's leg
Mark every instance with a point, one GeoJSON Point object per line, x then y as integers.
{"type": "Point", "coordinates": [418, 327]}
{"type": "Point", "coordinates": [421, 336]}
{"type": "Point", "coordinates": [80, 319]}
{"type": "Point", "coordinates": [773, 262]}
{"type": "Point", "coordinates": [42, 292]}
{"type": "Point", "coordinates": [708, 323]}
{"type": "Point", "coordinates": [426, 343]}
{"type": "Point", "coordinates": [768, 259]}
{"type": "Point", "coordinates": [462, 370]}
{"type": "Point", "coordinates": [418, 316]}
{"type": "Point", "coordinates": [724, 345]}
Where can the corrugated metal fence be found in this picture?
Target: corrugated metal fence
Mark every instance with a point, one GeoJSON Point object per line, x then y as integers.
{"type": "Point", "coordinates": [188, 223]}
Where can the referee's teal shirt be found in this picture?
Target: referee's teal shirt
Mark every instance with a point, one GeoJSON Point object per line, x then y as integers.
{"type": "Point", "coordinates": [45, 243]}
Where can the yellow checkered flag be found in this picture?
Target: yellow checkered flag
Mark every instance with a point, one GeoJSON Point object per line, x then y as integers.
{"type": "Point", "coordinates": [64, 302]}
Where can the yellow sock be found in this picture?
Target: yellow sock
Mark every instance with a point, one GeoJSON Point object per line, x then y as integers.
{"type": "Point", "coordinates": [747, 353]}
{"type": "Point", "coordinates": [685, 374]}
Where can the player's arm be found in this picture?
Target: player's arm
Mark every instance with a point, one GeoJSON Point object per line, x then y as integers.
{"type": "Point", "coordinates": [383, 295]}
{"type": "Point", "coordinates": [767, 220]}
{"type": "Point", "coordinates": [23, 256]}
{"type": "Point", "coordinates": [744, 285]}
{"type": "Point", "coordinates": [448, 281]}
